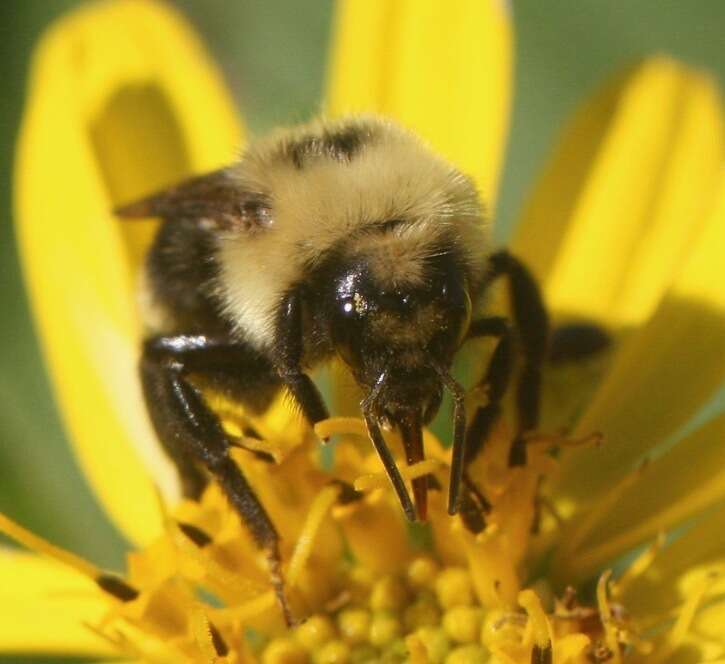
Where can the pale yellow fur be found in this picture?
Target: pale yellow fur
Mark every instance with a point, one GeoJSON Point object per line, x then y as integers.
{"type": "Point", "coordinates": [328, 201]}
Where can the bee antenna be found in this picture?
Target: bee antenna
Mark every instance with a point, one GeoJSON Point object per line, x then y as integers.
{"type": "Point", "coordinates": [459, 436]}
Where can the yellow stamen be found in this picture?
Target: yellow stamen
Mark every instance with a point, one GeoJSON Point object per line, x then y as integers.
{"type": "Point", "coordinates": [243, 612]}
{"type": "Point", "coordinates": [264, 446]}
{"type": "Point", "coordinates": [354, 426]}
{"type": "Point", "coordinates": [540, 626]}
{"type": "Point", "coordinates": [605, 614]}
{"type": "Point", "coordinates": [40, 545]}
{"type": "Point", "coordinates": [372, 481]}
{"type": "Point", "coordinates": [215, 573]}
{"type": "Point", "coordinates": [341, 426]}
{"type": "Point", "coordinates": [318, 510]}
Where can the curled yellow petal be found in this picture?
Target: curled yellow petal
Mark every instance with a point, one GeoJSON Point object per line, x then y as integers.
{"type": "Point", "coordinates": [114, 110]}
{"type": "Point", "coordinates": [443, 69]}
{"type": "Point", "coordinates": [626, 193]}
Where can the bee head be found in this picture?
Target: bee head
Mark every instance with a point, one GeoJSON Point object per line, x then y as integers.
{"type": "Point", "coordinates": [394, 335]}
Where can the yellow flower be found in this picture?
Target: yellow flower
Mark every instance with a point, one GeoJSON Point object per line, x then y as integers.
{"type": "Point", "coordinates": [626, 228]}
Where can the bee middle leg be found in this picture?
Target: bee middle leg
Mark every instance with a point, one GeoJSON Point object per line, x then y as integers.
{"type": "Point", "coordinates": [532, 327]}
{"type": "Point", "coordinates": [194, 435]}
{"type": "Point", "coordinates": [531, 324]}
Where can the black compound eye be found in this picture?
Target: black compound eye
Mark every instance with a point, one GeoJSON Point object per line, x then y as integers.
{"type": "Point", "coordinates": [348, 325]}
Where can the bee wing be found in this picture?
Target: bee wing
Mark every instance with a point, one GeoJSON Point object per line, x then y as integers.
{"type": "Point", "coordinates": [215, 199]}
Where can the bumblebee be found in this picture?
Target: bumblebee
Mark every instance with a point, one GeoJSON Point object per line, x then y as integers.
{"type": "Point", "coordinates": [345, 239]}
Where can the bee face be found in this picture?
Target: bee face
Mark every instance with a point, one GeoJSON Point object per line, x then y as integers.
{"type": "Point", "coordinates": [392, 336]}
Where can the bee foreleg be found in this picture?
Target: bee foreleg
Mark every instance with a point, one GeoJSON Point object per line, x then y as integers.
{"type": "Point", "coordinates": [187, 426]}
{"type": "Point", "coordinates": [288, 356]}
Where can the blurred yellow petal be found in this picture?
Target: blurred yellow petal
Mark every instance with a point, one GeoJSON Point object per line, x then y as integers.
{"type": "Point", "coordinates": [626, 193]}
{"type": "Point", "coordinates": [443, 69]}
{"type": "Point", "coordinates": [664, 373]}
{"type": "Point", "coordinates": [679, 485]}
{"type": "Point", "coordinates": [115, 104]}
{"type": "Point", "coordinates": [122, 100]}
{"type": "Point", "coordinates": [706, 634]}
{"type": "Point", "coordinates": [46, 606]}
{"type": "Point", "coordinates": [679, 570]}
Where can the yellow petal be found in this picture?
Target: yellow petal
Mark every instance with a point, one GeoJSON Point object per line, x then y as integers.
{"type": "Point", "coordinates": [122, 100]}
{"type": "Point", "coordinates": [679, 485]}
{"type": "Point", "coordinates": [662, 375]}
{"type": "Point", "coordinates": [626, 193]}
{"type": "Point", "coordinates": [45, 606]}
{"type": "Point", "coordinates": [443, 69]}
{"type": "Point", "coordinates": [678, 570]}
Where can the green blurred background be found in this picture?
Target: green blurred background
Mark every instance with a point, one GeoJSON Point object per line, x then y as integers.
{"type": "Point", "coordinates": [273, 53]}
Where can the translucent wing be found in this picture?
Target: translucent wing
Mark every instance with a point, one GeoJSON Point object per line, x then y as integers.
{"type": "Point", "coordinates": [216, 199]}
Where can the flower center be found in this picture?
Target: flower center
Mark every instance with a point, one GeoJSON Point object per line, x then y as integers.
{"type": "Point", "coordinates": [362, 588]}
